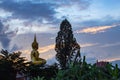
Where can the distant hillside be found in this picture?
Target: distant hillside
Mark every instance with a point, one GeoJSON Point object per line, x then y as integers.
{"type": "Point", "coordinates": [116, 62]}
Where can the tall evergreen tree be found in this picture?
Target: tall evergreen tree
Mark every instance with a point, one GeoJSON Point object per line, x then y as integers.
{"type": "Point", "coordinates": [68, 50]}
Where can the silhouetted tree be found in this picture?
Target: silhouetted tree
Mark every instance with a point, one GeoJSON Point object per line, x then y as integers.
{"type": "Point", "coordinates": [10, 64]}
{"type": "Point", "coordinates": [66, 46]}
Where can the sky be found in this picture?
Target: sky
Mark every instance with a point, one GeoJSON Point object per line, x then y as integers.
{"type": "Point", "coordinates": [95, 25]}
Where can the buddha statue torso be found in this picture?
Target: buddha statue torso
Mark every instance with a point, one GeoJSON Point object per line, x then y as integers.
{"type": "Point", "coordinates": [35, 54]}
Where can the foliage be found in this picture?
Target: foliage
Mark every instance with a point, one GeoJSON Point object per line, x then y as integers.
{"type": "Point", "coordinates": [85, 71]}
{"type": "Point", "coordinates": [66, 47]}
{"type": "Point", "coordinates": [42, 72]}
{"type": "Point", "coordinates": [10, 64]}
{"type": "Point", "coordinates": [38, 78]}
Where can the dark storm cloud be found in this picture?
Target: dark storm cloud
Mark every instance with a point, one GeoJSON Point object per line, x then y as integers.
{"type": "Point", "coordinates": [5, 38]}
{"type": "Point", "coordinates": [36, 9]}
{"type": "Point", "coordinates": [28, 9]}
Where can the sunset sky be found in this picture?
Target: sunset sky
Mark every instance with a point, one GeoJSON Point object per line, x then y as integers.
{"type": "Point", "coordinates": [95, 24]}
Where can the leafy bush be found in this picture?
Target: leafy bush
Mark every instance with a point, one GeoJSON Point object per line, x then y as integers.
{"type": "Point", "coordinates": [38, 78]}
{"type": "Point", "coordinates": [85, 71]}
{"type": "Point", "coordinates": [38, 72]}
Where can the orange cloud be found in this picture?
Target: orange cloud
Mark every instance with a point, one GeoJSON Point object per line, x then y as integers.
{"type": "Point", "coordinates": [46, 48]}
{"type": "Point", "coordinates": [26, 53]}
{"type": "Point", "coordinates": [94, 30]}
{"type": "Point", "coordinates": [41, 49]}
{"type": "Point", "coordinates": [110, 59]}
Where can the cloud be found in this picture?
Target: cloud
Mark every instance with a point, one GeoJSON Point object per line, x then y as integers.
{"type": "Point", "coordinates": [111, 44]}
{"type": "Point", "coordinates": [5, 36]}
{"type": "Point", "coordinates": [42, 28]}
{"type": "Point", "coordinates": [88, 45]}
{"type": "Point", "coordinates": [41, 50]}
{"type": "Point", "coordinates": [46, 48]}
{"type": "Point", "coordinates": [106, 20]}
{"type": "Point", "coordinates": [71, 9]}
{"type": "Point", "coordinates": [21, 14]}
{"type": "Point", "coordinates": [4, 14]}
{"type": "Point", "coordinates": [49, 10]}
{"type": "Point", "coordinates": [82, 4]}
{"type": "Point", "coordinates": [14, 48]}
{"type": "Point", "coordinates": [24, 26]}
{"type": "Point", "coordinates": [94, 30]}
{"type": "Point", "coordinates": [28, 9]}
{"type": "Point", "coordinates": [110, 59]}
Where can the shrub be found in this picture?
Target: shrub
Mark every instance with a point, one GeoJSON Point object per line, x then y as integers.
{"type": "Point", "coordinates": [84, 71]}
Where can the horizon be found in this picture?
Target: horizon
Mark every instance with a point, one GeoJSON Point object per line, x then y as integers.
{"type": "Point", "coordinates": [95, 25]}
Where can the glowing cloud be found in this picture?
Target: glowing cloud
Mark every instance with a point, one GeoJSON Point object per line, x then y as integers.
{"type": "Point", "coordinates": [46, 48]}
{"type": "Point", "coordinates": [94, 30]}
{"type": "Point", "coordinates": [26, 53]}
{"type": "Point", "coordinates": [41, 50]}
{"type": "Point", "coordinates": [110, 59]}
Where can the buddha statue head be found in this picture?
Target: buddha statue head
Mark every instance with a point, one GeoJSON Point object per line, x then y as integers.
{"type": "Point", "coordinates": [35, 54]}
{"type": "Point", "coordinates": [35, 44]}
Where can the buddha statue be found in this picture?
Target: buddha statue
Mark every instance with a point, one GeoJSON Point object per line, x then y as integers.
{"type": "Point", "coordinates": [35, 54]}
